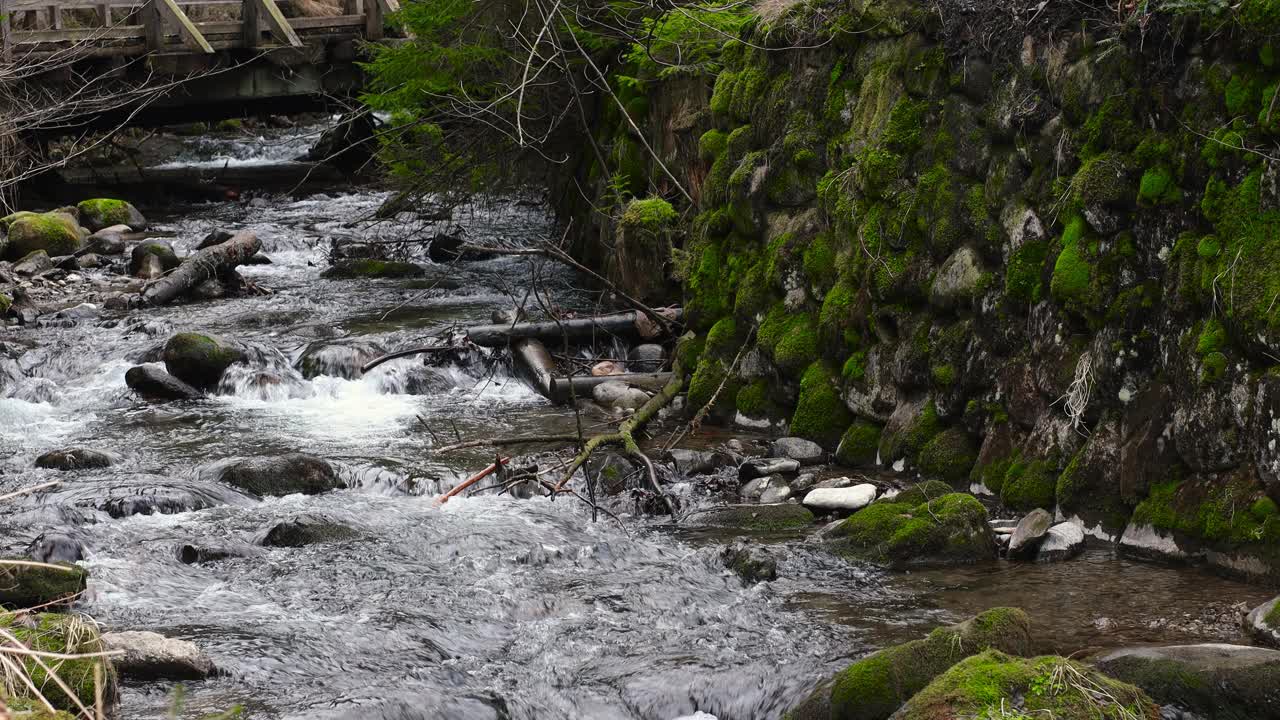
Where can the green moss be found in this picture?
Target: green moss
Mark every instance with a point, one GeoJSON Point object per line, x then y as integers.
{"type": "Point", "coordinates": [991, 474]}
{"type": "Point", "coordinates": [723, 339]}
{"type": "Point", "coordinates": [1072, 279]}
{"type": "Point", "coordinates": [820, 263]}
{"type": "Point", "coordinates": [1103, 181]}
{"type": "Point", "coordinates": [654, 215]}
{"type": "Point", "coordinates": [753, 399]}
{"type": "Point", "coordinates": [688, 352]}
{"type": "Point", "coordinates": [820, 414]}
{"type": "Point", "coordinates": [919, 493]}
{"type": "Point", "coordinates": [949, 529]}
{"type": "Point", "coordinates": [372, 269]}
{"type": "Point", "coordinates": [1112, 127]}
{"type": "Point", "coordinates": [949, 456]}
{"type": "Point", "coordinates": [69, 634]}
{"type": "Point", "coordinates": [859, 444]}
{"type": "Point", "coordinates": [5, 303]}
{"type": "Point", "coordinates": [706, 382]}
{"type": "Point", "coordinates": [1022, 281]}
{"type": "Point", "coordinates": [944, 376]}
{"type": "Point", "coordinates": [913, 437]}
{"type": "Point", "coordinates": [106, 212]}
{"type": "Point", "coordinates": [757, 518]}
{"type": "Point", "coordinates": [712, 144]}
{"type": "Point", "coordinates": [855, 367]}
{"type": "Point", "coordinates": [25, 587]}
{"type": "Point", "coordinates": [199, 360]}
{"type": "Point", "coordinates": [992, 684]}
{"type": "Point", "coordinates": [1213, 337]}
{"type": "Point", "coordinates": [55, 233]}
{"type": "Point", "coordinates": [1208, 247]}
{"type": "Point", "coordinates": [1217, 512]}
{"type": "Point", "coordinates": [799, 347]}
{"type": "Point", "coordinates": [1157, 187]}
{"type": "Point", "coordinates": [1029, 485]}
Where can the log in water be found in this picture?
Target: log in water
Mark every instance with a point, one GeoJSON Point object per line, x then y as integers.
{"type": "Point", "coordinates": [204, 265]}
{"type": "Point", "coordinates": [596, 327]}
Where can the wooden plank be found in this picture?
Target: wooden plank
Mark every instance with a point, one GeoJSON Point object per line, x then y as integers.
{"type": "Point", "coordinates": [251, 24]}
{"type": "Point", "coordinates": [191, 37]}
{"type": "Point", "coordinates": [277, 23]}
{"type": "Point", "coordinates": [55, 18]}
{"type": "Point", "coordinates": [119, 32]}
{"type": "Point", "coordinates": [6, 46]}
{"type": "Point", "coordinates": [154, 25]}
{"type": "Point", "coordinates": [104, 14]}
{"type": "Point", "coordinates": [321, 23]}
{"type": "Point", "coordinates": [373, 20]}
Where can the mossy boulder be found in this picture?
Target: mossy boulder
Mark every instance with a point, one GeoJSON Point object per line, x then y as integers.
{"type": "Point", "coordinates": [200, 360]}
{"type": "Point", "coordinates": [948, 456]}
{"type": "Point", "coordinates": [911, 426]}
{"type": "Point", "coordinates": [100, 213]}
{"type": "Point", "coordinates": [6, 302]}
{"type": "Point", "coordinates": [55, 233]}
{"type": "Point", "coordinates": [369, 268]}
{"type": "Point", "coordinates": [643, 248]}
{"type": "Point", "coordinates": [1029, 484]}
{"type": "Point", "coordinates": [283, 475]}
{"type": "Point", "coordinates": [876, 686]}
{"type": "Point", "coordinates": [859, 445]}
{"type": "Point", "coordinates": [67, 634]}
{"type": "Point", "coordinates": [162, 250]}
{"type": "Point", "coordinates": [820, 414]}
{"type": "Point", "coordinates": [306, 530]}
{"type": "Point", "coordinates": [1224, 682]}
{"type": "Point", "coordinates": [24, 586]}
{"type": "Point", "coordinates": [901, 533]}
{"type": "Point", "coordinates": [994, 684]}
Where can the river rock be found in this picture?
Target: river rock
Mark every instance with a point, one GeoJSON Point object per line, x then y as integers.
{"type": "Point", "coordinates": [89, 261]}
{"type": "Point", "coordinates": [54, 547]}
{"type": "Point", "coordinates": [648, 357]}
{"type": "Point", "coordinates": [101, 213]}
{"type": "Point", "coordinates": [33, 263]}
{"type": "Point", "coordinates": [755, 489]}
{"type": "Point", "coordinates": [776, 493]}
{"type": "Point", "coordinates": [369, 268]}
{"type": "Point", "coordinates": [1030, 531]}
{"type": "Point", "coordinates": [1063, 542]}
{"type": "Point", "coordinates": [73, 459]}
{"type": "Point", "coordinates": [695, 462]}
{"type": "Point", "coordinates": [283, 475]}
{"type": "Point", "coordinates": [342, 359]}
{"type": "Point", "coordinates": [784, 516]}
{"type": "Point", "coordinates": [109, 241]}
{"type": "Point", "coordinates": [140, 262]}
{"type": "Point", "coordinates": [200, 360]}
{"type": "Point", "coordinates": [217, 237]}
{"type": "Point", "coordinates": [152, 656]}
{"type": "Point", "coordinates": [752, 563]}
{"type": "Point", "coordinates": [899, 533]}
{"type": "Point", "coordinates": [619, 395]}
{"type": "Point", "coordinates": [55, 233]}
{"type": "Point", "coordinates": [306, 530]}
{"type": "Point", "coordinates": [805, 452]}
{"type": "Point", "coordinates": [189, 554]}
{"type": "Point", "coordinates": [847, 499]}
{"type": "Point", "coordinates": [761, 467]}
{"type": "Point", "coordinates": [154, 383]}
{"type": "Point", "coordinates": [874, 687]}
{"type": "Point", "coordinates": [24, 586]}
{"type": "Point", "coordinates": [1262, 624]}
{"type": "Point", "coordinates": [957, 279]}
{"type": "Point", "coordinates": [1219, 681]}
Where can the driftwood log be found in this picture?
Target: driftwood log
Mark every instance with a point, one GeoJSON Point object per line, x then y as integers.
{"type": "Point", "coordinates": [207, 264]}
{"type": "Point", "coordinates": [534, 364]}
{"type": "Point", "coordinates": [549, 330]}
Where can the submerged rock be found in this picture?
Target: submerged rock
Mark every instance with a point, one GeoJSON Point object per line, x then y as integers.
{"type": "Point", "coordinates": [306, 530]}
{"type": "Point", "coordinates": [695, 462]}
{"type": "Point", "coordinates": [751, 562]}
{"type": "Point", "coordinates": [648, 357]}
{"type": "Point", "coordinates": [1223, 682]}
{"type": "Point", "coordinates": [189, 554]}
{"type": "Point", "coordinates": [761, 467]}
{"type": "Point", "coordinates": [283, 475]}
{"type": "Point", "coordinates": [73, 459]}
{"type": "Point", "coordinates": [342, 359]}
{"type": "Point", "coordinates": [152, 656]}
{"type": "Point", "coordinates": [153, 383]}
{"type": "Point", "coordinates": [1063, 542]}
{"type": "Point", "coordinates": [200, 360]}
{"type": "Point", "coordinates": [876, 686]}
{"type": "Point", "coordinates": [784, 516]}
{"type": "Point", "coordinates": [101, 213]}
{"type": "Point", "coordinates": [1030, 531]}
{"type": "Point", "coordinates": [844, 499]}
{"type": "Point", "coordinates": [53, 547]}
{"type": "Point", "coordinates": [369, 268]}
{"type": "Point", "coordinates": [901, 534]}
{"type": "Point", "coordinates": [24, 586]}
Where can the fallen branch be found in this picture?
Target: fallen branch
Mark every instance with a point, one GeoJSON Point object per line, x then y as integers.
{"type": "Point", "coordinates": [207, 264]}
{"type": "Point", "coordinates": [471, 481]}
{"type": "Point", "coordinates": [502, 442]}
{"type": "Point", "coordinates": [500, 334]}
{"type": "Point", "coordinates": [404, 353]}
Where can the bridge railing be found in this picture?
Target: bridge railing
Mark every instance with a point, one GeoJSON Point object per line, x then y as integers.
{"type": "Point", "coordinates": [38, 28]}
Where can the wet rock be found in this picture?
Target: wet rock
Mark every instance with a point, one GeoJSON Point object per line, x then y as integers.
{"type": "Point", "coordinates": [876, 686]}
{"type": "Point", "coordinates": [24, 586]}
{"type": "Point", "coordinates": [1224, 682]}
{"type": "Point", "coordinates": [211, 289]}
{"type": "Point", "coordinates": [199, 554]}
{"type": "Point", "coordinates": [106, 242]}
{"type": "Point", "coordinates": [146, 494]}
{"type": "Point", "coordinates": [785, 516]}
{"type": "Point", "coordinates": [306, 530]}
{"type": "Point", "coordinates": [619, 395]}
{"type": "Point", "coordinates": [154, 383]}
{"type": "Point", "coordinates": [805, 452]}
{"type": "Point", "coordinates": [695, 462]}
{"type": "Point", "coordinates": [776, 493]}
{"type": "Point", "coordinates": [755, 489]}
{"type": "Point", "coordinates": [899, 533]}
{"type": "Point", "coordinates": [751, 562]}
{"type": "Point", "coordinates": [53, 547]}
{"type": "Point", "coordinates": [140, 259]}
{"type": "Point", "coordinates": [55, 233]}
{"type": "Point", "coordinates": [152, 656]}
{"type": "Point", "coordinates": [73, 459]}
{"type": "Point", "coordinates": [957, 280]}
{"type": "Point", "coordinates": [847, 499]}
{"type": "Point", "coordinates": [33, 263]}
{"type": "Point", "coordinates": [1031, 530]}
{"type": "Point", "coordinates": [606, 368]}
{"type": "Point", "coordinates": [77, 314]}
{"type": "Point", "coordinates": [217, 237]}
{"type": "Point", "coordinates": [1063, 542]}
{"type": "Point", "coordinates": [342, 359]}
{"type": "Point", "coordinates": [648, 357]}
{"type": "Point", "coordinates": [1262, 624]}
{"type": "Point", "coordinates": [283, 475]}
{"type": "Point", "coordinates": [761, 467]}
{"type": "Point", "coordinates": [369, 268]}
{"type": "Point", "coordinates": [200, 360]}
{"type": "Point", "coordinates": [450, 248]}
{"type": "Point", "coordinates": [101, 213]}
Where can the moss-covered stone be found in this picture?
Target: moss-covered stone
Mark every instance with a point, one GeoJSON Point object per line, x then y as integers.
{"type": "Point", "coordinates": [859, 445]}
{"type": "Point", "coordinates": [349, 269]}
{"type": "Point", "coordinates": [1028, 485]}
{"type": "Point", "coordinates": [24, 586]}
{"type": "Point", "coordinates": [1226, 514]}
{"type": "Point", "coordinates": [876, 686]}
{"type": "Point", "coordinates": [199, 360]}
{"type": "Point", "coordinates": [993, 683]}
{"type": "Point", "coordinates": [138, 256]}
{"type": "Point", "coordinates": [948, 456]}
{"type": "Point", "coordinates": [820, 414]}
{"type": "Point", "coordinates": [1224, 682]}
{"type": "Point", "coordinates": [949, 529]}
{"type": "Point", "coordinates": [55, 233]}
{"type": "Point", "coordinates": [759, 518]}
{"type": "Point", "coordinates": [908, 441]}
{"type": "Point", "coordinates": [66, 634]}
{"type": "Point", "coordinates": [653, 215]}
{"type": "Point", "coordinates": [100, 213]}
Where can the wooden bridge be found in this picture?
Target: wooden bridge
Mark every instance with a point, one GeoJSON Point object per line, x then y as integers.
{"type": "Point", "coordinates": [33, 30]}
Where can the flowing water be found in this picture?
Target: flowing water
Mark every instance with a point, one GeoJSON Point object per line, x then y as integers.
{"type": "Point", "coordinates": [488, 607]}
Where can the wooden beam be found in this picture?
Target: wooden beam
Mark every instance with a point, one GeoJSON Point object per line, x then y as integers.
{"type": "Point", "coordinates": [191, 37]}
{"type": "Point", "coordinates": [153, 25]}
{"type": "Point", "coordinates": [279, 26]}
{"type": "Point", "coordinates": [104, 14]}
{"type": "Point", "coordinates": [55, 18]}
{"type": "Point", "coordinates": [251, 24]}
{"type": "Point", "coordinates": [373, 20]}
{"type": "Point", "coordinates": [6, 49]}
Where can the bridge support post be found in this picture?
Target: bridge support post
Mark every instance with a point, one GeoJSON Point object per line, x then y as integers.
{"type": "Point", "coordinates": [251, 23]}
{"type": "Point", "coordinates": [6, 50]}
{"type": "Point", "coordinates": [154, 24]}
{"type": "Point", "coordinates": [373, 20]}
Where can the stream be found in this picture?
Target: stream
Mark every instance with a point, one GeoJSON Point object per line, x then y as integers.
{"type": "Point", "coordinates": [487, 607]}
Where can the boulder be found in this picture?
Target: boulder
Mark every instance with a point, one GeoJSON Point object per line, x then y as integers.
{"type": "Point", "coordinates": [1223, 682]}
{"type": "Point", "coordinates": [948, 530]}
{"type": "Point", "coordinates": [55, 233]}
{"type": "Point", "coordinates": [154, 383]}
{"type": "Point", "coordinates": [761, 467]}
{"type": "Point", "coordinates": [844, 500]}
{"type": "Point", "coordinates": [619, 395]}
{"type": "Point", "coordinates": [695, 462]}
{"type": "Point", "coordinates": [100, 213]}
{"type": "Point", "coordinates": [217, 237]}
{"type": "Point", "coordinates": [107, 242]}
{"type": "Point", "coordinates": [152, 656]}
{"type": "Point", "coordinates": [784, 516]}
{"type": "Point", "coordinates": [1063, 542]}
{"type": "Point", "coordinates": [1262, 624]}
{"type": "Point", "coordinates": [199, 360]}
{"type": "Point", "coordinates": [876, 686]}
{"type": "Point", "coordinates": [283, 475]}
{"type": "Point", "coordinates": [52, 547]}
{"type": "Point", "coordinates": [751, 562]}
{"type": "Point", "coordinates": [648, 357]}
{"type": "Point", "coordinates": [33, 263]}
{"type": "Point", "coordinates": [805, 452]}
{"type": "Point", "coordinates": [24, 586]}
{"type": "Point", "coordinates": [306, 530]}
{"type": "Point", "coordinates": [755, 489]}
{"type": "Point", "coordinates": [980, 685]}
{"type": "Point", "coordinates": [1031, 529]}
{"type": "Point", "coordinates": [142, 265]}
{"type": "Point", "coordinates": [368, 268]}
{"type": "Point", "coordinates": [957, 280]}
{"type": "Point", "coordinates": [776, 493]}
{"type": "Point", "coordinates": [73, 459]}
{"type": "Point", "coordinates": [342, 359]}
